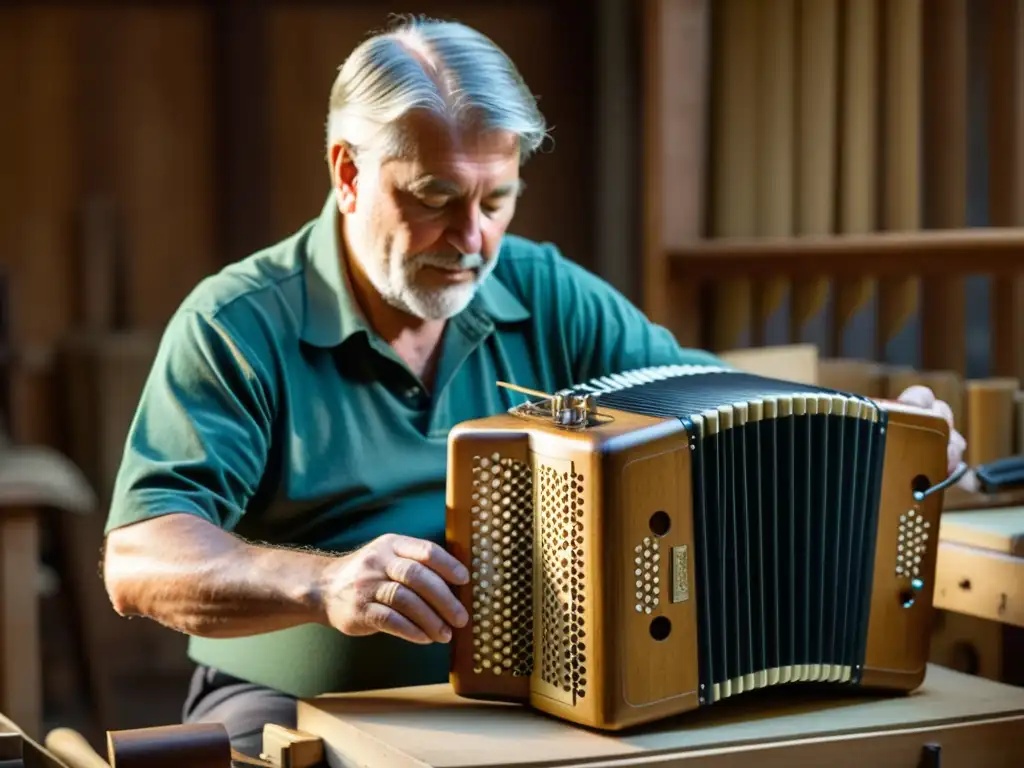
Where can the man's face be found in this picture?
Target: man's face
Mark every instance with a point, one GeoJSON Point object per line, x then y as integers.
{"type": "Point", "coordinates": [426, 230]}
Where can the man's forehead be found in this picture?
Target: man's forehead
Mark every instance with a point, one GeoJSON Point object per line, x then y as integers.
{"type": "Point", "coordinates": [440, 152]}
{"type": "Point", "coordinates": [453, 172]}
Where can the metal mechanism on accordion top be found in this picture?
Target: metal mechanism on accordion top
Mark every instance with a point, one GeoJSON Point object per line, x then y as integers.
{"type": "Point", "coordinates": [565, 409]}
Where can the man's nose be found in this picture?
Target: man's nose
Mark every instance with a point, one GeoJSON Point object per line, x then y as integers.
{"type": "Point", "coordinates": [464, 232]}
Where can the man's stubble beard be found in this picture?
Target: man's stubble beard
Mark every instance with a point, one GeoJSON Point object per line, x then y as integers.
{"type": "Point", "coordinates": [395, 279]}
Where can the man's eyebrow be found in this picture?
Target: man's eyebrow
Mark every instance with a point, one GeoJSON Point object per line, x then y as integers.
{"type": "Point", "coordinates": [512, 188]}
{"type": "Point", "coordinates": [434, 185]}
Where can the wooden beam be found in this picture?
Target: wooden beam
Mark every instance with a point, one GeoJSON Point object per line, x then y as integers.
{"type": "Point", "coordinates": [20, 670]}
{"type": "Point", "coordinates": [935, 253]}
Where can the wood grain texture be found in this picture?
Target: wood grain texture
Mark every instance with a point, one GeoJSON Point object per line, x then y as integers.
{"type": "Point", "coordinates": [901, 169]}
{"type": "Point", "coordinates": [995, 530]}
{"type": "Point", "coordinates": [555, 525]}
{"type": "Point", "coordinates": [858, 161]}
{"type": "Point", "coordinates": [776, 146]}
{"type": "Point", "coordinates": [676, 35]}
{"type": "Point", "coordinates": [734, 151]}
{"type": "Point", "coordinates": [980, 582]}
{"type": "Point", "coordinates": [994, 251]}
{"type": "Point", "coordinates": [1004, 54]}
{"type": "Point", "coordinates": [862, 377]}
{"type": "Point", "coordinates": [944, 168]}
{"type": "Point", "coordinates": [431, 727]}
{"type": "Point", "coordinates": [990, 423]}
{"type": "Point", "coordinates": [619, 474]}
{"type": "Point", "coordinates": [817, 120]}
{"type": "Point", "coordinates": [39, 176]}
{"type": "Point", "coordinates": [897, 644]}
{"type": "Point", "coordinates": [152, 144]}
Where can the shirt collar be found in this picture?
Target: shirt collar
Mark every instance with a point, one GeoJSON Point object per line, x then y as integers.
{"type": "Point", "coordinates": [331, 312]}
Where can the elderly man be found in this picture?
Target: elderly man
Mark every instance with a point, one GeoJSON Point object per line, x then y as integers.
{"type": "Point", "coordinates": [281, 498]}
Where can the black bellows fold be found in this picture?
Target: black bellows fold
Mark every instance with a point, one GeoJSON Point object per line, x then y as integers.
{"type": "Point", "coordinates": [785, 514]}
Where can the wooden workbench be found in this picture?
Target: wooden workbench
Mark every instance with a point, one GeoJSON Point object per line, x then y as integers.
{"type": "Point", "coordinates": [979, 567]}
{"type": "Point", "coordinates": [977, 722]}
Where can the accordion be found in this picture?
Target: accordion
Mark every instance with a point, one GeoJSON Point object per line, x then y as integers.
{"type": "Point", "coordinates": [657, 541]}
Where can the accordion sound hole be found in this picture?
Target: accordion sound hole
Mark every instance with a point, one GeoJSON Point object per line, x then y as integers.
{"type": "Point", "coordinates": [920, 484]}
{"type": "Point", "coordinates": [660, 522]}
{"type": "Point", "coordinates": [661, 628]}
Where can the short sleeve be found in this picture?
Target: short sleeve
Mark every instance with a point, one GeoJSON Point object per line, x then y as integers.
{"type": "Point", "coordinates": [200, 436]}
{"type": "Point", "coordinates": [608, 333]}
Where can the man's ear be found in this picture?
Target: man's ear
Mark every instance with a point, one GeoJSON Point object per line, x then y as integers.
{"type": "Point", "coordinates": [344, 176]}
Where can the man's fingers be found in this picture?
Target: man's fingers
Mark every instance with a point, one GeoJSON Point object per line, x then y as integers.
{"type": "Point", "coordinates": [388, 620]}
{"type": "Point", "coordinates": [942, 408]}
{"type": "Point", "coordinates": [955, 449]}
{"type": "Point", "coordinates": [412, 606]}
{"type": "Point", "coordinates": [432, 556]}
{"type": "Point", "coordinates": [428, 586]}
{"type": "Point", "coordinates": [918, 395]}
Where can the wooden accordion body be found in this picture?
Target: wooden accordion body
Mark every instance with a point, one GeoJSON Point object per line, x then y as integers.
{"type": "Point", "coordinates": [702, 534]}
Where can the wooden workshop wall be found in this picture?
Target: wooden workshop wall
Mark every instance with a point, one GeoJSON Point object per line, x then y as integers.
{"type": "Point", "coordinates": [826, 119]}
{"type": "Point", "coordinates": [145, 145]}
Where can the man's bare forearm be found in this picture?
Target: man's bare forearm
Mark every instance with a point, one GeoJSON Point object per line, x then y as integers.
{"type": "Point", "coordinates": [187, 574]}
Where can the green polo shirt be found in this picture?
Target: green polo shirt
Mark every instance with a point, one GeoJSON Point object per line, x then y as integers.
{"type": "Point", "coordinates": [273, 411]}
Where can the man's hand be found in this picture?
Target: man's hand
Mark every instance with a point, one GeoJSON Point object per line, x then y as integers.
{"type": "Point", "coordinates": [923, 397]}
{"type": "Point", "coordinates": [188, 574]}
{"type": "Point", "coordinates": [397, 585]}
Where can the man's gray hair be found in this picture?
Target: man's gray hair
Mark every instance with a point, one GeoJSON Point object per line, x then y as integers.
{"type": "Point", "coordinates": [441, 66]}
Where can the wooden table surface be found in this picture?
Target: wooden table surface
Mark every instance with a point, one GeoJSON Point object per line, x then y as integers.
{"type": "Point", "coordinates": [430, 726]}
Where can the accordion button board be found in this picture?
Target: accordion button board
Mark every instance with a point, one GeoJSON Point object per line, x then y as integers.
{"type": "Point", "coordinates": [664, 539]}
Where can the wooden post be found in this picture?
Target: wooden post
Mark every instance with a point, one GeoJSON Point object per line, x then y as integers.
{"type": "Point", "coordinates": [21, 696]}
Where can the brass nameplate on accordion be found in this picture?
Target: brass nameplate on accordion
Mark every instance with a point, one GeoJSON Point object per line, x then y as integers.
{"type": "Point", "coordinates": [680, 574]}
{"type": "Point", "coordinates": [660, 540]}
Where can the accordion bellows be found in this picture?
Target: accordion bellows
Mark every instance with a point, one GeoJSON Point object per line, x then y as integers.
{"type": "Point", "coordinates": [664, 539]}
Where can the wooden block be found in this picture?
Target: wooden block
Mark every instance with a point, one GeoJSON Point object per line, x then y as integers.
{"type": "Point", "coordinates": [991, 415]}
{"type": "Point", "coordinates": [979, 583]}
{"type": "Point", "coordinates": [979, 568]}
{"type": "Point", "coordinates": [947, 386]}
{"type": "Point", "coordinates": [288, 748]}
{"type": "Point", "coordinates": [792, 362]}
{"type": "Point", "coordinates": [862, 377]}
{"type": "Point", "coordinates": [995, 530]}
{"type": "Point", "coordinates": [975, 720]}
